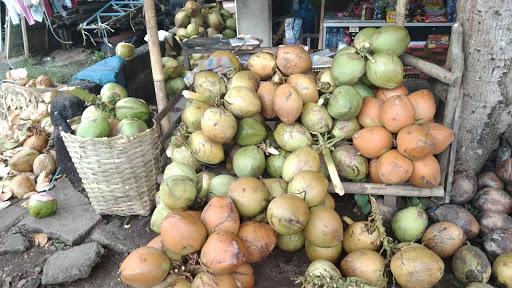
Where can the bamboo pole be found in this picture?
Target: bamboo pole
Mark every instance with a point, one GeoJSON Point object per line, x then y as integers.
{"type": "Point", "coordinates": [401, 6]}
{"type": "Point", "coordinates": [156, 62]}
{"type": "Point", "coordinates": [321, 33]}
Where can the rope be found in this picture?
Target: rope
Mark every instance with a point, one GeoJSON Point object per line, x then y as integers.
{"type": "Point", "coordinates": [48, 24]}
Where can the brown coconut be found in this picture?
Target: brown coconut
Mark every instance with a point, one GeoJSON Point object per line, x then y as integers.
{"type": "Point", "coordinates": [223, 253]}
{"type": "Point", "coordinates": [287, 103]}
{"type": "Point", "coordinates": [266, 92]}
{"type": "Point", "coordinates": [182, 233]}
{"type": "Point", "coordinates": [244, 276]}
{"type": "Point", "coordinates": [293, 59]}
{"type": "Point", "coordinates": [424, 105]}
{"type": "Point", "coordinates": [384, 94]}
{"type": "Point", "coordinates": [394, 168]}
{"type": "Point", "coordinates": [426, 172]}
{"type": "Point", "coordinates": [369, 116]}
{"type": "Point", "coordinates": [305, 85]}
{"type": "Point", "coordinates": [443, 136]}
{"type": "Point", "coordinates": [220, 214]}
{"type": "Point", "coordinates": [415, 142]}
{"type": "Point", "coordinates": [145, 267]}
{"type": "Point", "coordinates": [21, 185]}
{"type": "Point", "coordinates": [23, 160]}
{"type": "Point", "coordinates": [37, 142]}
{"type": "Point", "coordinates": [444, 238]}
{"type": "Point", "coordinates": [372, 142]}
{"type": "Point", "coordinates": [263, 64]}
{"type": "Point", "coordinates": [44, 163]}
{"type": "Point", "coordinates": [396, 113]}
{"type": "Point", "coordinates": [259, 238]}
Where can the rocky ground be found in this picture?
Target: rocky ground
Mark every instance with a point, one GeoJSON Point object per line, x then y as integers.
{"type": "Point", "coordinates": [83, 249]}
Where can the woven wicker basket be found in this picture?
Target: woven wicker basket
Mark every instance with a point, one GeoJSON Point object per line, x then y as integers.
{"type": "Point", "coordinates": [119, 174]}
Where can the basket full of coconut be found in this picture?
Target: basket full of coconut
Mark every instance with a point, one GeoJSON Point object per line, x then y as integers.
{"type": "Point", "coordinates": [115, 148]}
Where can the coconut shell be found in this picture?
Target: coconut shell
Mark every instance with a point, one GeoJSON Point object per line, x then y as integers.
{"type": "Point", "coordinates": [360, 236]}
{"type": "Point", "coordinates": [44, 163]}
{"type": "Point", "coordinates": [367, 265]}
{"type": "Point", "coordinates": [220, 214]}
{"type": "Point", "coordinates": [497, 242]}
{"type": "Point", "coordinates": [305, 87]}
{"type": "Point", "coordinates": [324, 228]}
{"type": "Point", "coordinates": [331, 254]}
{"type": "Point", "coordinates": [303, 159]}
{"type": "Point", "coordinates": [250, 196]}
{"type": "Point", "coordinates": [291, 243]}
{"type": "Point", "coordinates": [501, 269]}
{"type": "Point", "coordinates": [372, 171]}
{"type": "Point", "coordinates": [156, 243]}
{"type": "Point", "coordinates": [444, 238]}
{"type": "Point", "coordinates": [259, 238]}
{"type": "Point", "coordinates": [384, 94]}
{"type": "Point", "coordinates": [464, 187]}
{"type": "Point", "coordinates": [504, 171]}
{"type": "Point", "coordinates": [145, 267]}
{"type": "Point", "coordinates": [223, 253]}
{"type": "Point", "coordinates": [426, 173]}
{"type": "Point", "coordinates": [443, 136]}
{"type": "Point", "coordinates": [416, 266]}
{"type": "Point", "coordinates": [494, 220]}
{"type": "Point", "coordinates": [396, 113]}
{"type": "Point", "coordinates": [218, 124]}
{"type": "Point", "coordinates": [37, 142]}
{"type": "Point", "coordinates": [394, 168]}
{"type": "Point", "coordinates": [458, 215]}
{"type": "Point", "coordinates": [263, 64]}
{"type": "Point", "coordinates": [415, 142]}
{"type": "Point", "coordinates": [242, 102]}
{"type": "Point", "coordinates": [369, 116]}
{"type": "Point", "coordinates": [247, 79]}
{"type": "Point", "coordinates": [21, 185]}
{"type": "Point", "coordinates": [470, 264]}
{"type": "Point", "coordinates": [310, 186]}
{"type": "Point", "coordinates": [492, 199]}
{"type": "Point", "coordinates": [287, 103]}
{"type": "Point", "coordinates": [207, 280]}
{"type": "Point", "coordinates": [23, 160]}
{"type": "Point", "coordinates": [372, 142]}
{"type": "Point", "coordinates": [293, 59]}
{"type": "Point", "coordinates": [182, 233]}
{"type": "Point", "coordinates": [287, 214]}
{"type": "Point", "coordinates": [489, 179]}
{"type": "Point", "coordinates": [266, 91]}
{"type": "Point", "coordinates": [244, 276]}
{"type": "Point", "coordinates": [424, 106]}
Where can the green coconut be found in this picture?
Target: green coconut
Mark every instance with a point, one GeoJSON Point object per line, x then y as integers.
{"type": "Point", "coordinates": [130, 127]}
{"type": "Point", "coordinates": [125, 50]}
{"type": "Point", "coordinates": [250, 196]}
{"type": "Point", "coordinates": [363, 90]}
{"type": "Point", "coordinates": [205, 150]}
{"type": "Point", "coordinates": [325, 81]}
{"type": "Point", "coordinates": [250, 132]}
{"type": "Point", "coordinates": [310, 186]}
{"type": "Point", "coordinates": [42, 205]}
{"type": "Point", "coordinates": [210, 85]}
{"type": "Point", "coordinates": [93, 112]}
{"type": "Point", "coordinates": [345, 129]}
{"type": "Point", "coordinates": [249, 161]}
{"type": "Point", "coordinates": [323, 268]}
{"type": "Point", "coordinates": [219, 125]}
{"type": "Point", "coordinates": [219, 185]}
{"type": "Point", "coordinates": [470, 264]}
{"type": "Point", "coordinates": [93, 128]}
{"type": "Point", "coordinates": [392, 39]}
{"type": "Point", "coordinates": [110, 88]}
{"type": "Point", "coordinates": [178, 192]}
{"type": "Point", "coordinates": [276, 186]}
{"type": "Point", "coordinates": [290, 243]}
{"type": "Point", "coordinates": [179, 152]}
{"type": "Point", "coordinates": [203, 186]}
{"type": "Point", "coordinates": [275, 163]}
{"type": "Point", "coordinates": [292, 136]}
{"type": "Point", "coordinates": [228, 34]}
{"type": "Point", "coordinates": [316, 118]}
{"type": "Point", "coordinates": [349, 163]}
{"type": "Point", "coordinates": [287, 214]}
{"type": "Point", "coordinates": [364, 37]}
{"type": "Point", "coordinates": [180, 169]}
{"type": "Point", "coordinates": [110, 99]}
{"type": "Point", "coordinates": [192, 29]}
{"type": "Point", "coordinates": [347, 68]}
{"type": "Point", "coordinates": [303, 159]}
{"type": "Point", "coordinates": [347, 49]}
{"type": "Point", "coordinates": [385, 70]}
{"type": "Point", "coordinates": [161, 211]}
{"type": "Point", "coordinates": [409, 224]}
{"type": "Point", "coordinates": [231, 23]}
{"type": "Point", "coordinates": [242, 102]}
{"type": "Point", "coordinates": [181, 19]}
{"type": "Point", "coordinates": [175, 86]}
{"type": "Point", "coordinates": [174, 68]}
{"type": "Point", "coordinates": [192, 115]}
{"type": "Point", "coordinates": [130, 107]}
{"type": "Point", "coordinates": [345, 103]}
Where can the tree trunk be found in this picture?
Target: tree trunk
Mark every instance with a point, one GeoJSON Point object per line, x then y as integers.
{"type": "Point", "coordinates": [487, 81]}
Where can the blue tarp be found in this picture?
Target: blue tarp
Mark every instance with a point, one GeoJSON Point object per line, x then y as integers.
{"type": "Point", "coordinates": [106, 71]}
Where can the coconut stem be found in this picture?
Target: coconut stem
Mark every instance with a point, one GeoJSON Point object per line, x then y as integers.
{"type": "Point", "coordinates": [376, 223]}
{"type": "Point", "coordinates": [347, 220]}
{"type": "Point", "coordinates": [333, 173]}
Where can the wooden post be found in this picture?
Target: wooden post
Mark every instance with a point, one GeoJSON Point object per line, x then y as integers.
{"type": "Point", "coordinates": [321, 32]}
{"type": "Point", "coordinates": [25, 36]}
{"type": "Point", "coordinates": [401, 6]}
{"type": "Point", "coordinates": [156, 62]}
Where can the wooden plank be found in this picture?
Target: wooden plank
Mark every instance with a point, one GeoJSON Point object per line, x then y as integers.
{"type": "Point", "coordinates": [428, 68]}
{"type": "Point", "coordinates": [25, 37]}
{"type": "Point", "coordinates": [389, 190]}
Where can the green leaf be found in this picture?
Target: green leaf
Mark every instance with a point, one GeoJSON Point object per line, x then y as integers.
{"type": "Point", "coordinates": [414, 201]}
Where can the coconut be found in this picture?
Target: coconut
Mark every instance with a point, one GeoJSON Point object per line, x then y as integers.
{"type": "Point", "coordinates": [349, 163]}
{"type": "Point", "coordinates": [345, 103]}
{"type": "Point", "coordinates": [497, 242]}
{"type": "Point", "coordinates": [394, 168]}
{"type": "Point", "coordinates": [424, 106]}
{"type": "Point", "coordinates": [214, 20]}
{"type": "Point", "coordinates": [42, 205]}
{"type": "Point", "coordinates": [287, 103]}
{"type": "Point", "coordinates": [192, 8]}
{"type": "Point", "coordinates": [231, 23]}
{"type": "Point", "coordinates": [94, 128]}
{"type": "Point", "coordinates": [23, 160]}
{"type": "Point", "coordinates": [179, 152]}
{"type": "Point", "coordinates": [182, 233]}
{"type": "Point", "coordinates": [347, 68]}
{"type": "Point", "coordinates": [415, 142]}
{"type": "Point", "coordinates": [409, 224]}
{"type": "Point", "coordinates": [303, 159]}
{"type": "Point", "coordinates": [209, 85]}
{"type": "Point", "coordinates": [290, 243]}
{"type": "Point", "coordinates": [130, 107]}
{"type": "Point", "coordinates": [250, 132]}
{"type": "Point", "coordinates": [327, 202]}
{"type": "Point", "coordinates": [125, 50]}
{"type": "Point", "coordinates": [385, 70]}
{"type": "Point", "coordinates": [458, 215]}
{"type": "Point", "coordinates": [242, 102]}
{"type": "Point", "coordinates": [316, 118]}
{"type": "Point", "coordinates": [275, 163]}
{"type": "Point", "coordinates": [246, 79]}
{"type": "Point", "coordinates": [323, 268]}
{"type": "Point", "coordinates": [131, 127]}
{"type": "Point", "coordinates": [501, 269]}
{"type": "Point", "coordinates": [178, 192]}
{"type": "Point", "coordinates": [220, 214]}
{"type": "Point", "coordinates": [345, 129]}
{"type": "Point", "coordinates": [396, 113]}
{"type": "Point", "coordinates": [180, 169]}
{"type": "Point", "coordinates": [310, 186]}
{"type": "Point", "coordinates": [223, 253]}
{"type": "Point", "coordinates": [44, 163]}
{"type": "Point", "coordinates": [192, 115]}
{"type": "Point", "coordinates": [478, 285]}
{"type": "Point", "coordinates": [112, 87]}
{"type": "Point", "coordinates": [369, 116]}
{"type": "Point", "coordinates": [93, 112]}
{"type": "Point", "coordinates": [218, 124]}
{"type": "Point", "coordinates": [492, 199]}
{"type": "Point", "coordinates": [292, 136]}
{"type": "Point", "coordinates": [259, 238]}
{"type": "Point", "coordinates": [470, 264]}
{"type": "Point", "coordinates": [205, 179]}
{"type": "Point", "coordinates": [244, 276]}
{"type": "Point", "coordinates": [161, 211]}
{"type": "Point", "coordinates": [276, 186]}
{"type": "Point", "coordinates": [426, 173]}
{"type": "Point", "coordinates": [305, 87]}
{"type": "Point", "coordinates": [174, 87]}
{"type": "Point", "coordinates": [372, 142]}
{"type": "Point", "coordinates": [373, 173]}
{"type": "Point", "coordinates": [266, 91]}
{"type": "Point", "coordinates": [443, 136]}
{"type": "Point", "coordinates": [287, 214]}
{"type": "Point", "coordinates": [249, 161]}
{"type": "Point", "coordinates": [250, 196]}
{"type": "Point", "coordinates": [489, 179]}
{"type": "Point", "coordinates": [36, 142]}
{"type": "Point", "coordinates": [363, 90]}
{"type": "Point", "coordinates": [489, 221]}
{"type": "Point", "coordinates": [464, 186]}
{"type": "Point", "coordinates": [324, 228]}
{"type": "Point", "coordinates": [205, 150]}
{"type": "Point", "coordinates": [156, 243]}
{"type": "Point", "coordinates": [223, 56]}
{"type": "Point", "coordinates": [416, 266]}
{"type": "Point", "coordinates": [325, 81]}
{"type": "Point", "coordinates": [263, 64]}
{"type": "Point", "coordinates": [293, 59]}
{"type": "Point", "coordinates": [219, 185]}
{"type": "Point", "coordinates": [331, 254]}
{"type": "Point", "coordinates": [393, 39]}
{"type": "Point", "coordinates": [367, 265]}
{"type": "Point", "coordinates": [144, 267]}
{"type": "Point", "coordinates": [384, 94]}
{"type": "Point", "coordinates": [361, 236]}
{"type": "Point", "coordinates": [181, 19]}
{"type": "Point", "coordinates": [443, 238]}
{"type": "Point", "coordinates": [364, 38]}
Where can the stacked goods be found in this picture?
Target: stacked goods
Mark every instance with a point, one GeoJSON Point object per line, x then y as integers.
{"type": "Point", "coordinates": [193, 20]}
{"type": "Point", "coordinates": [173, 76]}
